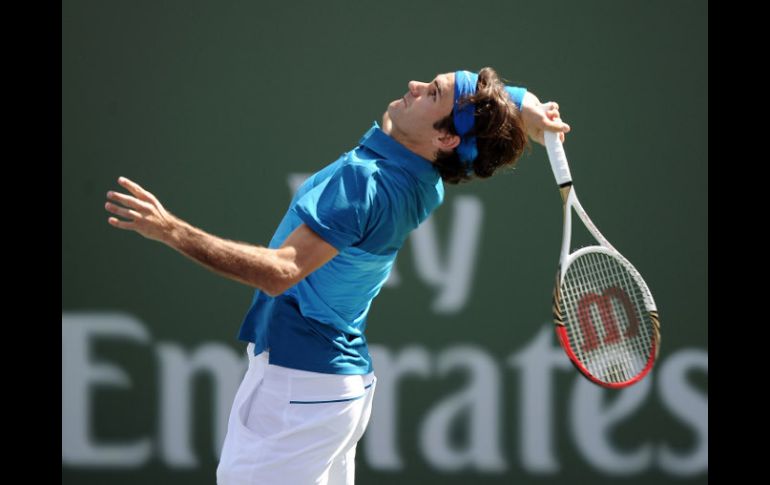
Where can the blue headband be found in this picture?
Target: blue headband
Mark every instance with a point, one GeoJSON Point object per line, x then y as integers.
{"type": "Point", "coordinates": [465, 85]}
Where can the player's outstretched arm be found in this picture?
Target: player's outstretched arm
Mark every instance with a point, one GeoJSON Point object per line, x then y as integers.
{"type": "Point", "coordinates": [271, 270]}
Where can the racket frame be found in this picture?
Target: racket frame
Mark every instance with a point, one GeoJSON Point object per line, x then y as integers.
{"type": "Point", "coordinates": [563, 177]}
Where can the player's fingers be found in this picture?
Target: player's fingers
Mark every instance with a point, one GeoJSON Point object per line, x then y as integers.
{"type": "Point", "coordinates": [553, 120]}
{"type": "Point", "coordinates": [558, 125]}
{"type": "Point", "coordinates": [120, 224]}
{"type": "Point", "coordinates": [129, 201]}
{"type": "Point", "coordinates": [136, 189]}
{"type": "Point", "coordinates": [551, 109]}
{"type": "Point", "coordinates": [122, 212]}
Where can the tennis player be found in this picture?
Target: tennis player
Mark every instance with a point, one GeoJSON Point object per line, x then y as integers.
{"type": "Point", "coordinates": [306, 398]}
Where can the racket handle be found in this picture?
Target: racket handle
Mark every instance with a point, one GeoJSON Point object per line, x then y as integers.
{"type": "Point", "coordinates": [558, 158]}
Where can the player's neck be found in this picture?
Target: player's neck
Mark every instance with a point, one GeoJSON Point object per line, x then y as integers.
{"type": "Point", "coordinates": [423, 150]}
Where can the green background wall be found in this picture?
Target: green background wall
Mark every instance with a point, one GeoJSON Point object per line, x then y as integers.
{"type": "Point", "coordinates": [212, 106]}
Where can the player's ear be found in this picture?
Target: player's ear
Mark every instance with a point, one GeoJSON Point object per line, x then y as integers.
{"type": "Point", "coordinates": [445, 141]}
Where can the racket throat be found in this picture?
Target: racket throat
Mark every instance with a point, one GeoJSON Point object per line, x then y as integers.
{"type": "Point", "coordinates": [566, 237]}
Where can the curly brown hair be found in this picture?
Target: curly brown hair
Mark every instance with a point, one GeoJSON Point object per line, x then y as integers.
{"type": "Point", "coordinates": [498, 128]}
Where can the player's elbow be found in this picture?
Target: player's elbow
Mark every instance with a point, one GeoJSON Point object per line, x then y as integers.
{"type": "Point", "coordinates": [276, 289]}
{"type": "Point", "coordinates": [285, 276]}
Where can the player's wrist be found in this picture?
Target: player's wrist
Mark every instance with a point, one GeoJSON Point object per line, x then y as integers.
{"type": "Point", "coordinates": [175, 232]}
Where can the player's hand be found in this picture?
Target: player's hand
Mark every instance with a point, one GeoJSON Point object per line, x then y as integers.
{"type": "Point", "coordinates": [539, 116]}
{"type": "Point", "coordinates": [144, 213]}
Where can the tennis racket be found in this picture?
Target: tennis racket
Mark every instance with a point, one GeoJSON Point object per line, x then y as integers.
{"type": "Point", "coordinates": [605, 317]}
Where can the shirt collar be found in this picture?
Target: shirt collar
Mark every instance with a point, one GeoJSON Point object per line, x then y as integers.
{"type": "Point", "coordinates": [376, 140]}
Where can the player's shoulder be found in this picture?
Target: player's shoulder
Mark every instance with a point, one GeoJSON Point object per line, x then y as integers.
{"type": "Point", "coordinates": [360, 162]}
{"type": "Point", "coordinates": [356, 172]}
{"type": "Point", "coordinates": [371, 185]}
{"type": "Point", "coordinates": [362, 172]}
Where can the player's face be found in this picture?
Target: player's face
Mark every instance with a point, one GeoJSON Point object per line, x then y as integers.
{"type": "Point", "coordinates": [423, 105]}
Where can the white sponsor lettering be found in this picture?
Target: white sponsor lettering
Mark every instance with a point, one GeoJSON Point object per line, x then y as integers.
{"type": "Point", "coordinates": [478, 406]}
{"type": "Point", "coordinates": [80, 374]}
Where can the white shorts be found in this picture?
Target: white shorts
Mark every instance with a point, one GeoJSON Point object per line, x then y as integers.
{"type": "Point", "coordinates": [294, 427]}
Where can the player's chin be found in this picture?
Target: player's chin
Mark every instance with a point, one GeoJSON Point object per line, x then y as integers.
{"type": "Point", "coordinates": [393, 109]}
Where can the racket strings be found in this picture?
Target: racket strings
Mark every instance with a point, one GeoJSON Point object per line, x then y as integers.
{"type": "Point", "coordinates": [605, 317]}
{"type": "Point", "coordinates": [601, 320]}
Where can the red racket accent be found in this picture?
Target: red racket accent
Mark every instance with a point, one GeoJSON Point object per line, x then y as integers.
{"type": "Point", "coordinates": [561, 333]}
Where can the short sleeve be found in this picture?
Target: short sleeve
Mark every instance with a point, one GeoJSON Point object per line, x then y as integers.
{"type": "Point", "coordinates": [337, 208]}
{"type": "Point", "coordinates": [517, 94]}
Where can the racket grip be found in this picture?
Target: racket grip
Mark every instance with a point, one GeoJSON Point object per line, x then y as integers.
{"type": "Point", "coordinates": [557, 157]}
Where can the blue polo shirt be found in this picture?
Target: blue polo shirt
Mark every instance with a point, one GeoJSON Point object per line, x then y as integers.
{"type": "Point", "coordinates": [364, 204]}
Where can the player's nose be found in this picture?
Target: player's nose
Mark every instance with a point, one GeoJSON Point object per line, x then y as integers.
{"type": "Point", "coordinates": [415, 87]}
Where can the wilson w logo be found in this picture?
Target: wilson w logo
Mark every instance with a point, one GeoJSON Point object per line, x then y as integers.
{"type": "Point", "coordinates": [608, 316]}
